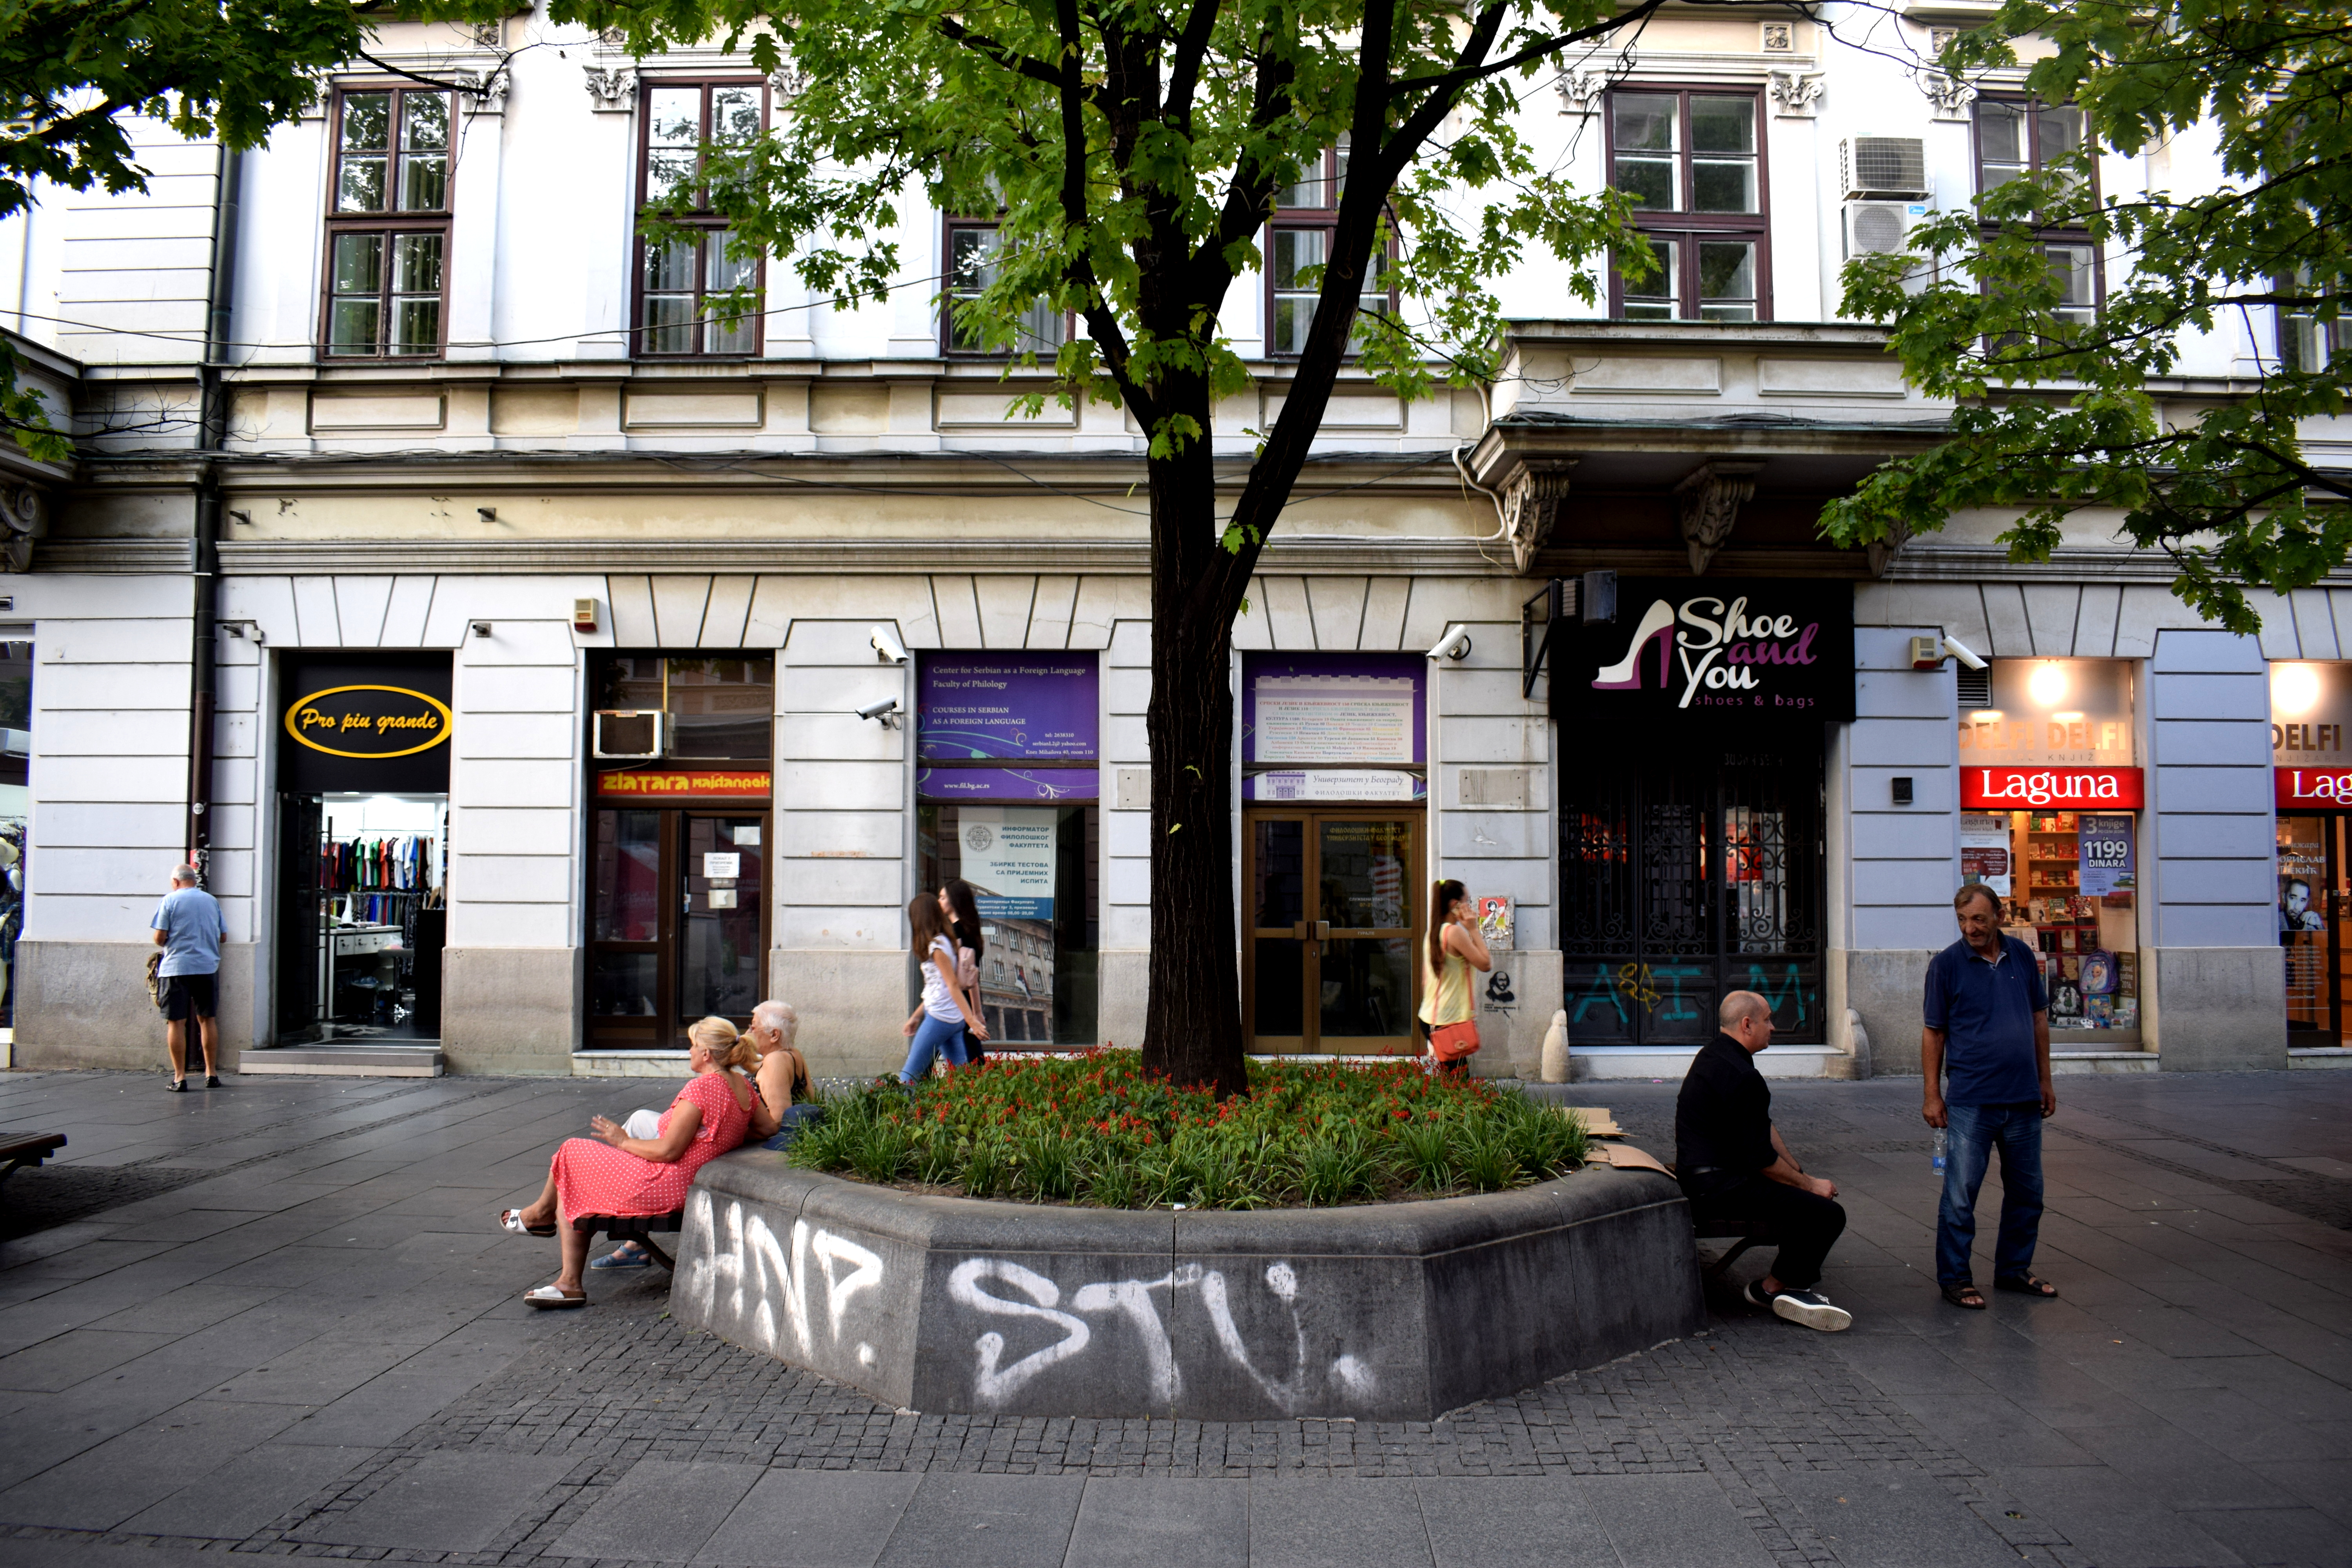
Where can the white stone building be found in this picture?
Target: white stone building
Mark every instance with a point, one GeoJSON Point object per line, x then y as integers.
{"type": "Point", "coordinates": [477, 455]}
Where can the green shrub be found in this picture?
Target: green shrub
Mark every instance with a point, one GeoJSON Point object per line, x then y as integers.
{"type": "Point", "coordinates": [1095, 1128]}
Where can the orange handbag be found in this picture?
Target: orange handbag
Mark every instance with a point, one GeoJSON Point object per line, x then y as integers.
{"type": "Point", "coordinates": [1451, 1042]}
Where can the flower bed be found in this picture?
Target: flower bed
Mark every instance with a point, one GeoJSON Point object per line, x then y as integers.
{"type": "Point", "coordinates": [1097, 1130]}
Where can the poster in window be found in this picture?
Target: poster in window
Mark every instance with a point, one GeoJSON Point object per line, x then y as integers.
{"type": "Point", "coordinates": [1985, 851]}
{"type": "Point", "coordinates": [1008, 858]}
{"type": "Point", "coordinates": [2105, 863]}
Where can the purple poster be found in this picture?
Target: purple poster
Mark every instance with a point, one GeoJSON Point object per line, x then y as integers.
{"type": "Point", "coordinates": [1017, 707]}
{"type": "Point", "coordinates": [1029, 784]}
{"type": "Point", "coordinates": [2106, 850]}
{"type": "Point", "coordinates": [1335, 709]}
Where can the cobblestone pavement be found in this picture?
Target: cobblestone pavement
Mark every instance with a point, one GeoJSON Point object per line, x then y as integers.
{"type": "Point", "coordinates": [312, 1349]}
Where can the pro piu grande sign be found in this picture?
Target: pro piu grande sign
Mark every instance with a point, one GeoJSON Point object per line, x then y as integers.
{"type": "Point", "coordinates": [1685, 655]}
{"type": "Point", "coordinates": [379, 723]}
{"type": "Point", "coordinates": [368, 721]}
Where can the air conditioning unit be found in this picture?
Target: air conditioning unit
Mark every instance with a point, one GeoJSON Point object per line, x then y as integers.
{"type": "Point", "coordinates": [629, 732]}
{"type": "Point", "coordinates": [1884, 228]}
{"type": "Point", "coordinates": [1883, 167]}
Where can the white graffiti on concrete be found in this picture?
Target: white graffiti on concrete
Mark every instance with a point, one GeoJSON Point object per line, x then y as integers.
{"type": "Point", "coordinates": [750, 1254]}
{"type": "Point", "coordinates": [993, 1383]}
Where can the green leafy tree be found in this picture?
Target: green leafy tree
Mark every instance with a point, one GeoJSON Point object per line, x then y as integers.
{"type": "Point", "coordinates": [73, 71]}
{"type": "Point", "coordinates": [2055, 407]}
{"type": "Point", "coordinates": [1130, 152]}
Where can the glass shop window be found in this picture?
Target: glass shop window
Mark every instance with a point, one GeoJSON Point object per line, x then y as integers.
{"type": "Point", "coordinates": [1037, 911]}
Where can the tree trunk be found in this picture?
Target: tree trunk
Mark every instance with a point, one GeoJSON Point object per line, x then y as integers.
{"type": "Point", "coordinates": [1193, 1029]}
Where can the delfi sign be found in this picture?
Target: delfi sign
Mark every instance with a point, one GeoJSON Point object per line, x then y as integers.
{"type": "Point", "coordinates": [2014, 789]}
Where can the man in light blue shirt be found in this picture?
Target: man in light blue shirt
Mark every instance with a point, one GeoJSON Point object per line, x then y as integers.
{"type": "Point", "coordinates": [187, 926]}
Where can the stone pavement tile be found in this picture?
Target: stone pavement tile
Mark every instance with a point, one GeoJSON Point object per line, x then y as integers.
{"type": "Point", "coordinates": [45, 1553]}
{"type": "Point", "coordinates": [1993, 1430]}
{"type": "Point", "coordinates": [1883, 1517]}
{"type": "Point", "coordinates": [1671, 1521]}
{"type": "Point", "coordinates": [380, 1412]}
{"type": "Point", "coordinates": [1319, 1523]}
{"type": "Point", "coordinates": [1161, 1521]}
{"type": "Point", "coordinates": [450, 1501]}
{"type": "Point", "coordinates": [2324, 1484]}
{"type": "Point", "coordinates": [2113, 1521]}
{"type": "Point", "coordinates": [1510, 1522]}
{"type": "Point", "coordinates": [248, 1492]}
{"type": "Point", "coordinates": [316, 1372]}
{"type": "Point", "coordinates": [187, 1308]}
{"type": "Point", "coordinates": [2320, 1165]}
{"type": "Point", "coordinates": [971, 1521]}
{"type": "Point", "coordinates": [69, 1358]}
{"type": "Point", "coordinates": [189, 1224]}
{"type": "Point", "coordinates": [2279, 1535]}
{"type": "Point", "coordinates": [101, 1487]}
{"type": "Point", "coordinates": [2187, 1469]}
{"type": "Point", "coordinates": [662, 1511]}
{"type": "Point", "coordinates": [813, 1519]}
{"type": "Point", "coordinates": [1901, 1368]}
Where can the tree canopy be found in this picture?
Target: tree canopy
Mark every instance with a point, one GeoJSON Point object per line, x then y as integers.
{"type": "Point", "coordinates": [2059, 406]}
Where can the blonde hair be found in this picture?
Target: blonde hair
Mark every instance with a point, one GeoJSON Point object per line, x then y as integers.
{"type": "Point", "coordinates": [717, 1037]}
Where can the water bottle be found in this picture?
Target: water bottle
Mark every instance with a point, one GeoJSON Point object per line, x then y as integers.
{"type": "Point", "coordinates": [1936, 1158]}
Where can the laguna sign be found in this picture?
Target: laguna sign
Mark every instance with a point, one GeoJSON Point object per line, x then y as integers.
{"type": "Point", "coordinates": [2314, 789]}
{"type": "Point", "coordinates": [1684, 651]}
{"type": "Point", "coordinates": [2011, 789]}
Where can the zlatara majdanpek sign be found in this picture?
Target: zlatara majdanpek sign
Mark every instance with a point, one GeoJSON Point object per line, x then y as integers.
{"type": "Point", "coordinates": [2012, 788]}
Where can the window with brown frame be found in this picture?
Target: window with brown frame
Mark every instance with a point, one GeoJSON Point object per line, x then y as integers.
{"type": "Point", "coordinates": [2308, 339]}
{"type": "Point", "coordinates": [2016, 137]}
{"type": "Point", "coordinates": [387, 224]}
{"type": "Point", "coordinates": [973, 260]}
{"type": "Point", "coordinates": [1307, 210]}
{"type": "Point", "coordinates": [683, 285]}
{"type": "Point", "coordinates": [1692, 161]}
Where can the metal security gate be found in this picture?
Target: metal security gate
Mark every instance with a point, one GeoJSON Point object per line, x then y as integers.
{"type": "Point", "coordinates": [1683, 877]}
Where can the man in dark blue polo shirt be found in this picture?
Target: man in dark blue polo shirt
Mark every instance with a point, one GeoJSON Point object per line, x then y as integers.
{"type": "Point", "coordinates": [1985, 1056]}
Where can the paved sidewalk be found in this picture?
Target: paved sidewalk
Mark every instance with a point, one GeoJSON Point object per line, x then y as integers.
{"type": "Point", "coordinates": [303, 1339]}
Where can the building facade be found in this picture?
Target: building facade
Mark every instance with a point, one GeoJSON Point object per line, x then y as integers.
{"type": "Point", "coordinates": [574, 659]}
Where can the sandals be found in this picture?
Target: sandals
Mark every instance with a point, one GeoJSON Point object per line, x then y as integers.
{"type": "Point", "coordinates": [549, 1296]}
{"type": "Point", "coordinates": [511, 1219]}
{"type": "Point", "coordinates": [628, 1255]}
{"type": "Point", "coordinates": [1965, 1295]}
{"type": "Point", "coordinates": [2027, 1285]}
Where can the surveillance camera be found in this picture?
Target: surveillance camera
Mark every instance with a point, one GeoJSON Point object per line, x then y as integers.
{"type": "Point", "coordinates": [886, 646]}
{"type": "Point", "coordinates": [1454, 645]}
{"type": "Point", "coordinates": [1958, 650]}
{"type": "Point", "coordinates": [880, 711]}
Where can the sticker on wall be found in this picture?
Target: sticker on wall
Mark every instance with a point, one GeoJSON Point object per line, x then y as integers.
{"type": "Point", "coordinates": [368, 721]}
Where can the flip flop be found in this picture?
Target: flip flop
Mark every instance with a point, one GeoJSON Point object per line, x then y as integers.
{"type": "Point", "coordinates": [511, 1219]}
{"type": "Point", "coordinates": [628, 1255]}
{"type": "Point", "coordinates": [1965, 1295]}
{"type": "Point", "coordinates": [2026, 1285]}
{"type": "Point", "coordinates": [549, 1296]}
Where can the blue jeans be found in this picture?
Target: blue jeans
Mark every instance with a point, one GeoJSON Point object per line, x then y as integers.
{"type": "Point", "coordinates": [937, 1037]}
{"type": "Point", "coordinates": [1974, 1130]}
{"type": "Point", "coordinates": [797, 1118]}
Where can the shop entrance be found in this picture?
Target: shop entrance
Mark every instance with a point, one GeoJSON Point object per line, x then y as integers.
{"type": "Point", "coordinates": [2312, 902]}
{"type": "Point", "coordinates": [1684, 877]}
{"type": "Point", "coordinates": [362, 918]}
{"type": "Point", "coordinates": [1335, 922]}
{"type": "Point", "coordinates": [677, 923]}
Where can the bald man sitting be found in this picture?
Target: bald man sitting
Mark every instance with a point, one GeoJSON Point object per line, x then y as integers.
{"type": "Point", "coordinates": [1732, 1165]}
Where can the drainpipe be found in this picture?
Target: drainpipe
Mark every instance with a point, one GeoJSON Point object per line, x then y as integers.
{"type": "Point", "coordinates": [204, 567]}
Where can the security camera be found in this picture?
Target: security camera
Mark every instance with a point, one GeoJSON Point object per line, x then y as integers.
{"type": "Point", "coordinates": [1454, 645]}
{"type": "Point", "coordinates": [881, 712]}
{"type": "Point", "coordinates": [1959, 650]}
{"type": "Point", "coordinates": [886, 646]}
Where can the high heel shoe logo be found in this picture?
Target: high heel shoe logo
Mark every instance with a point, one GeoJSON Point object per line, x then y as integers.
{"type": "Point", "coordinates": [1657, 625]}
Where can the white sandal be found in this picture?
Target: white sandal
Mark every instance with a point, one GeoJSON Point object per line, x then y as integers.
{"type": "Point", "coordinates": [549, 1296]}
{"type": "Point", "coordinates": [511, 1219]}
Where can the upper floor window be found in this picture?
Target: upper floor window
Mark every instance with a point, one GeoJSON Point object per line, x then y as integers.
{"type": "Point", "coordinates": [975, 260]}
{"type": "Point", "coordinates": [2307, 343]}
{"type": "Point", "coordinates": [2017, 137]}
{"type": "Point", "coordinates": [1306, 212]}
{"type": "Point", "coordinates": [687, 288]}
{"type": "Point", "coordinates": [1691, 163]}
{"type": "Point", "coordinates": [388, 225]}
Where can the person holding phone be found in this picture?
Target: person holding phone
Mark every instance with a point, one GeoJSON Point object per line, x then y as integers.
{"type": "Point", "coordinates": [1448, 1012]}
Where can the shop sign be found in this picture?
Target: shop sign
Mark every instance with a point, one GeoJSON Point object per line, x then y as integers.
{"type": "Point", "coordinates": [2018, 789]}
{"type": "Point", "coordinates": [1336, 784]}
{"type": "Point", "coordinates": [1071, 785]}
{"type": "Point", "coordinates": [1690, 653]}
{"type": "Point", "coordinates": [1352, 710]}
{"type": "Point", "coordinates": [2052, 713]}
{"type": "Point", "coordinates": [975, 707]}
{"type": "Point", "coordinates": [2314, 789]}
{"type": "Point", "coordinates": [368, 721]}
{"type": "Point", "coordinates": [2310, 711]}
{"type": "Point", "coordinates": [1008, 858]}
{"type": "Point", "coordinates": [675, 784]}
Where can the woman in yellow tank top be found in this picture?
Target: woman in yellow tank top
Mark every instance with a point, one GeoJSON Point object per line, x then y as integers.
{"type": "Point", "coordinates": [1448, 1014]}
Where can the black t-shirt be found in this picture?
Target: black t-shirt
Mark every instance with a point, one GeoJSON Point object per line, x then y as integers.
{"type": "Point", "coordinates": [1723, 1118]}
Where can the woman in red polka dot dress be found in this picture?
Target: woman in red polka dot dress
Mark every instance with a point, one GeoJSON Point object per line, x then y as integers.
{"type": "Point", "coordinates": [617, 1174]}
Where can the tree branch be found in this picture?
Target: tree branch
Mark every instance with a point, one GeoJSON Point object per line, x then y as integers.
{"type": "Point", "coordinates": [1001, 54]}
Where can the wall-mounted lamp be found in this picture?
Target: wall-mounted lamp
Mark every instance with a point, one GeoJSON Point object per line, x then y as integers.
{"type": "Point", "coordinates": [884, 712]}
{"type": "Point", "coordinates": [1902, 791]}
{"type": "Point", "coordinates": [243, 517]}
{"type": "Point", "coordinates": [481, 629]}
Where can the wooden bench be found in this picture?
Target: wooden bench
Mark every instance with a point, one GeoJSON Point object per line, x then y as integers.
{"type": "Point", "coordinates": [1745, 1233]}
{"type": "Point", "coordinates": [20, 1154]}
{"type": "Point", "coordinates": [638, 1229]}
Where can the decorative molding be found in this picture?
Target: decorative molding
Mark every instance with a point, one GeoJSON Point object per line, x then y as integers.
{"type": "Point", "coordinates": [1948, 96]}
{"type": "Point", "coordinates": [1794, 93]}
{"type": "Point", "coordinates": [485, 91]}
{"type": "Point", "coordinates": [1777, 38]}
{"type": "Point", "coordinates": [1709, 502]}
{"type": "Point", "coordinates": [25, 517]}
{"type": "Point", "coordinates": [787, 81]}
{"type": "Point", "coordinates": [1580, 90]}
{"type": "Point", "coordinates": [612, 89]}
{"type": "Point", "coordinates": [1531, 501]}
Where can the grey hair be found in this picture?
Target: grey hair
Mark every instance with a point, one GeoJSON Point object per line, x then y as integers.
{"type": "Point", "coordinates": [778, 1017]}
{"type": "Point", "coordinates": [187, 874]}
